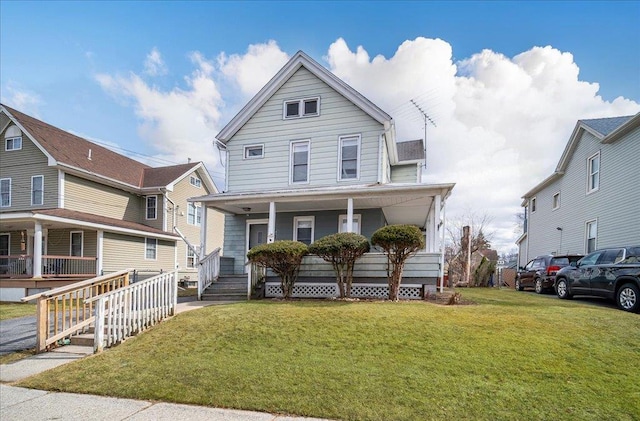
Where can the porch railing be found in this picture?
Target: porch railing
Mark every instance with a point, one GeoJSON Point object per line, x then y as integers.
{"type": "Point", "coordinates": [68, 310]}
{"type": "Point", "coordinates": [126, 311]}
{"type": "Point", "coordinates": [255, 275]}
{"type": "Point", "coordinates": [208, 271]}
{"type": "Point", "coordinates": [15, 266]}
{"type": "Point", "coordinates": [68, 266]}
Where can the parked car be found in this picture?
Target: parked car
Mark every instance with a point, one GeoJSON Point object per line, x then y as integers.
{"type": "Point", "coordinates": [540, 272]}
{"type": "Point", "coordinates": [613, 273]}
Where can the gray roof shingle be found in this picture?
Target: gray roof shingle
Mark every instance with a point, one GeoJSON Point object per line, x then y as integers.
{"type": "Point", "coordinates": [605, 126]}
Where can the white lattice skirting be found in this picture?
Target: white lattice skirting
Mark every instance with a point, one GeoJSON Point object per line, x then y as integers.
{"type": "Point", "coordinates": [329, 290]}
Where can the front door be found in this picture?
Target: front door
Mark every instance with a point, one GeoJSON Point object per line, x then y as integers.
{"type": "Point", "coordinates": [257, 235]}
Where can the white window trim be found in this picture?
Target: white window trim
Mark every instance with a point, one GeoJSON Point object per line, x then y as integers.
{"type": "Point", "coordinates": [589, 159]}
{"type": "Point", "coordinates": [586, 236]}
{"type": "Point", "coordinates": [146, 244]}
{"type": "Point", "coordinates": [9, 205]}
{"type": "Point", "coordinates": [32, 191]}
{"type": "Point", "coordinates": [356, 217]}
{"type": "Point", "coordinates": [557, 204]}
{"type": "Point", "coordinates": [301, 113]}
{"type": "Point", "coordinates": [291, 145]}
{"type": "Point", "coordinates": [196, 209]}
{"type": "Point", "coordinates": [534, 204]}
{"type": "Point", "coordinates": [195, 258]}
{"type": "Point", "coordinates": [195, 181]}
{"type": "Point", "coordinates": [146, 208]}
{"type": "Point", "coordinates": [246, 147]}
{"type": "Point", "coordinates": [340, 140]}
{"type": "Point", "coordinates": [297, 219]}
{"type": "Point", "coordinates": [81, 242]}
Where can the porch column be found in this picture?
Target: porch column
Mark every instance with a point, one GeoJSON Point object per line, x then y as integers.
{"type": "Point", "coordinates": [99, 252]}
{"type": "Point", "coordinates": [203, 232]}
{"type": "Point", "coordinates": [350, 214]}
{"type": "Point", "coordinates": [37, 250]}
{"type": "Point", "coordinates": [436, 222]}
{"type": "Point", "coordinates": [271, 227]}
{"type": "Point", "coordinates": [442, 243]}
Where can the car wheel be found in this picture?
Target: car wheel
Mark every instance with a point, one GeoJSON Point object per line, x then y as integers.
{"type": "Point", "coordinates": [538, 286]}
{"type": "Point", "coordinates": [628, 298]}
{"type": "Point", "coordinates": [562, 289]}
{"type": "Point", "coordinates": [518, 286]}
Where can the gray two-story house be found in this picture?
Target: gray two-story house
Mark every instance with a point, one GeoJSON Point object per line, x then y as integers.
{"type": "Point", "coordinates": [71, 209]}
{"type": "Point", "coordinates": [592, 199]}
{"type": "Point", "coordinates": [309, 156]}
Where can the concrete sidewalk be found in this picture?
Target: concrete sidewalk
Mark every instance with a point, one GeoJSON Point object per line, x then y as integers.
{"type": "Point", "coordinates": [18, 403]}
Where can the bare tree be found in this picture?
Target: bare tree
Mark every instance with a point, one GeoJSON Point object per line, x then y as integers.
{"type": "Point", "coordinates": [481, 236]}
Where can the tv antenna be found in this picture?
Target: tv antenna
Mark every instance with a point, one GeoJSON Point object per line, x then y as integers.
{"type": "Point", "coordinates": [426, 119]}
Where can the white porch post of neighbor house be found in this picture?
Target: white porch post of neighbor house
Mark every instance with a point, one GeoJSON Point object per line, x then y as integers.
{"type": "Point", "coordinates": [99, 252]}
{"type": "Point", "coordinates": [436, 221]}
{"type": "Point", "coordinates": [442, 245]}
{"type": "Point", "coordinates": [350, 214]}
{"type": "Point", "coordinates": [271, 226]}
{"type": "Point", "coordinates": [203, 232]}
{"type": "Point", "coordinates": [428, 228]}
{"type": "Point", "coordinates": [37, 250]}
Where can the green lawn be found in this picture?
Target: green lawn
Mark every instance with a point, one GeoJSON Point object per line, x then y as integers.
{"type": "Point", "coordinates": [13, 310]}
{"type": "Point", "coordinates": [509, 356]}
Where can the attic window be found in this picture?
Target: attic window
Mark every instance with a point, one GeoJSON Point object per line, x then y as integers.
{"type": "Point", "coordinates": [195, 181]}
{"type": "Point", "coordinates": [13, 139]}
{"type": "Point", "coordinates": [307, 107]}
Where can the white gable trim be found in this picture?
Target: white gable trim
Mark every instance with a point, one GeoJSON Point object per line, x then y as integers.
{"type": "Point", "coordinates": [50, 160]}
{"type": "Point", "coordinates": [299, 60]}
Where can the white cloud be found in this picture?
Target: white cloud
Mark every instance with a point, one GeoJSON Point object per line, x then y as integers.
{"type": "Point", "coordinates": [21, 99]}
{"type": "Point", "coordinates": [502, 122]}
{"type": "Point", "coordinates": [251, 71]}
{"type": "Point", "coordinates": [154, 65]}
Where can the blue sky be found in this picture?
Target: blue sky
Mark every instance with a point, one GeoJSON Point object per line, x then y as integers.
{"type": "Point", "coordinates": [83, 66]}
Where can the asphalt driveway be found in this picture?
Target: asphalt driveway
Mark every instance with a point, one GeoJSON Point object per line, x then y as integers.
{"type": "Point", "coordinates": [17, 334]}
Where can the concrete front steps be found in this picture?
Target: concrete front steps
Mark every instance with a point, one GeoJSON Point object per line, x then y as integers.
{"type": "Point", "coordinates": [227, 288]}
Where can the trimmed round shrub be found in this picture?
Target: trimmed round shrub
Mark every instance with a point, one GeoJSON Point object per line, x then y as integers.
{"type": "Point", "coordinates": [399, 242]}
{"type": "Point", "coordinates": [283, 257]}
{"type": "Point", "coordinates": [341, 250]}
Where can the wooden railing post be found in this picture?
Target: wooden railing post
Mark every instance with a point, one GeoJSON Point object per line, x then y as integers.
{"type": "Point", "coordinates": [42, 322]}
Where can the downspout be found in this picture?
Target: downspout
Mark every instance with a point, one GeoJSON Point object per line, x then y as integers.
{"type": "Point", "coordinates": [173, 223]}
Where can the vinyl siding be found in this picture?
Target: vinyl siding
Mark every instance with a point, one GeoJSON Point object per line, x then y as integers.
{"type": "Point", "coordinates": [215, 220]}
{"type": "Point", "coordinates": [123, 251]}
{"type": "Point", "coordinates": [88, 196]}
{"type": "Point", "coordinates": [404, 173]}
{"type": "Point", "coordinates": [338, 117]}
{"type": "Point", "coordinates": [59, 242]}
{"type": "Point", "coordinates": [20, 166]}
{"type": "Point", "coordinates": [326, 223]}
{"type": "Point", "coordinates": [614, 205]}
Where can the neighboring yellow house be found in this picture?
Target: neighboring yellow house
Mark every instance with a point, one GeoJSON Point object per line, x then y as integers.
{"type": "Point", "coordinates": [71, 209]}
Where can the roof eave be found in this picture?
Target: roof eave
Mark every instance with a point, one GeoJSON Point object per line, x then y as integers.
{"type": "Point", "coordinates": [547, 181]}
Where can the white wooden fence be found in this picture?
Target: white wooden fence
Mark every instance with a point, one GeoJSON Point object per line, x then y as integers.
{"type": "Point", "coordinates": [208, 271]}
{"type": "Point", "coordinates": [126, 311]}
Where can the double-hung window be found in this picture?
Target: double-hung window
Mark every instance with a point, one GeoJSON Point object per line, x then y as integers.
{"type": "Point", "coordinates": [299, 169]}
{"type": "Point", "coordinates": [307, 107]}
{"type": "Point", "coordinates": [152, 207]}
{"type": "Point", "coordinates": [593, 168]}
{"type": "Point", "coordinates": [592, 235]}
{"type": "Point", "coordinates": [195, 181]}
{"type": "Point", "coordinates": [150, 248]}
{"type": "Point", "coordinates": [13, 139]}
{"type": "Point", "coordinates": [37, 190]}
{"type": "Point", "coordinates": [76, 243]}
{"type": "Point", "coordinates": [303, 227]}
{"type": "Point", "coordinates": [556, 201]}
{"type": "Point", "coordinates": [194, 214]}
{"type": "Point", "coordinates": [5, 192]}
{"type": "Point", "coordinates": [533, 205]}
{"type": "Point", "coordinates": [192, 258]}
{"type": "Point", "coordinates": [349, 157]}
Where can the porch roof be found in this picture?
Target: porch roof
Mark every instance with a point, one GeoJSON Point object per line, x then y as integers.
{"type": "Point", "coordinates": [63, 218]}
{"type": "Point", "coordinates": [401, 203]}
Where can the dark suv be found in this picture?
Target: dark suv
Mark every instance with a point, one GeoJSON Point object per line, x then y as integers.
{"type": "Point", "coordinates": [540, 272]}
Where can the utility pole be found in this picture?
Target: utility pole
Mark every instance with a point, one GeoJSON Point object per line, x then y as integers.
{"type": "Point", "coordinates": [426, 118]}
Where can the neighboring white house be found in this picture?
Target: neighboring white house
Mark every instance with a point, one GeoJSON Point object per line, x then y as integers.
{"type": "Point", "coordinates": [592, 200]}
{"type": "Point", "coordinates": [309, 156]}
